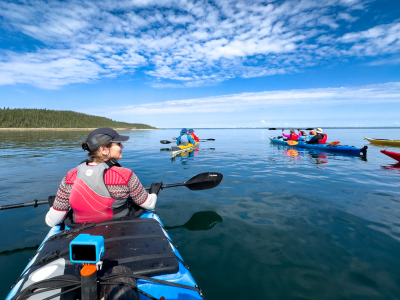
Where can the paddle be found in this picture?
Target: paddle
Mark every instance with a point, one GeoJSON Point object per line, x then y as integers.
{"type": "Point", "coordinates": [283, 129]}
{"type": "Point", "coordinates": [202, 140]}
{"type": "Point", "coordinates": [203, 220]}
{"type": "Point", "coordinates": [292, 143]}
{"type": "Point", "coordinates": [165, 142]}
{"type": "Point", "coordinates": [334, 143]}
{"type": "Point", "coordinates": [203, 181]}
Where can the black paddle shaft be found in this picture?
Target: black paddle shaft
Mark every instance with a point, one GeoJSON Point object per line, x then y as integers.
{"type": "Point", "coordinates": [203, 181]}
{"type": "Point", "coordinates": [35, 203]}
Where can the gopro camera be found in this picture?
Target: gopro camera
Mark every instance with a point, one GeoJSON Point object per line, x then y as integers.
{"type": "Point", "coordinates": [86, 249]}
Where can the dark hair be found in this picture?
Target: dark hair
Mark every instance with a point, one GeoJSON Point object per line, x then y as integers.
{"type": "Point", "coordinates": [96, 155]}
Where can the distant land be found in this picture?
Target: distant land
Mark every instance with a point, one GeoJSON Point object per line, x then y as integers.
{"type": "Point", "coordinates": [38, 119]}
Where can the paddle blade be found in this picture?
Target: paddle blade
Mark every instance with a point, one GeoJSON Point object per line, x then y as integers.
{"type": "Point", "coordinates": [165, 142]}
{"type": "Point", "coordinates": [271, 128]}
{"type": "Point", "coordinates": [292, 143]}
{"type": "Point", "coordinates": [204, 181]}
{"type": "Point", "coordinates": [334, 143]}
{"type": "Point", "coordinates": [309, 128]}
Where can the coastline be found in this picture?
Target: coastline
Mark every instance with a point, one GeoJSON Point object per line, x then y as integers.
{"type": "Point", "coordinates": [64, 129]}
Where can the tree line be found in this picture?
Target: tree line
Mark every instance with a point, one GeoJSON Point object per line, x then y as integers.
{"type": "Point", "coordinates": [44, 118]}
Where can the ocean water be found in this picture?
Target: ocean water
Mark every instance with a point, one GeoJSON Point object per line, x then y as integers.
{"type": "Point", "coordinates": [283, 224]}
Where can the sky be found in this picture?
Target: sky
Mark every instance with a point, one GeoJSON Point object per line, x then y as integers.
{"type": "Point", "coordinates": [201, 64]}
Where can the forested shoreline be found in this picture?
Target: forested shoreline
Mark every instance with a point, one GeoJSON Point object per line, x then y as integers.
{"type": "Point", "coordinates": [44, 118]}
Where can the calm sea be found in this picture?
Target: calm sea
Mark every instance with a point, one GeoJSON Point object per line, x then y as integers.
{"type": "Point", "coordinates": [283, 224]}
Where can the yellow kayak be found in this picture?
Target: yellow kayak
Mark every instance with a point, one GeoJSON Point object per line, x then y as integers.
{"type": "Point", "coordinates": [384, 142]}
{"type": "Point", "coordinates": [183, 148]}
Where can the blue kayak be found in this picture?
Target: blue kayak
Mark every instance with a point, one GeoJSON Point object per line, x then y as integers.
{"type": "Point", "coordinates": [323, 147]}
{"type": "Point", "coordinates": [140, 245]}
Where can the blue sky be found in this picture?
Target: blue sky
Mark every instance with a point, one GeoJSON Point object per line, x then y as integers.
{"type": "Point", "coordinates": [205, 63]}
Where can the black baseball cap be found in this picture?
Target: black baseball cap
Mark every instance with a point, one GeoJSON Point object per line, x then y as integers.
{"type": "Point", "coordinates": [102, 136]}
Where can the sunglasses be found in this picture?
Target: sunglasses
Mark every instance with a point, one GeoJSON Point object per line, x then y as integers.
{"type": "Point", "coordinates": [118, 144]}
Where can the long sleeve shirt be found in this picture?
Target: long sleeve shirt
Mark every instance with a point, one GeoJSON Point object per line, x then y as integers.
{"type": "Point", "coordinates": [133, 189]}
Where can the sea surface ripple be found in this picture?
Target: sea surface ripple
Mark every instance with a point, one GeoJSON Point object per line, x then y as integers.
{"type": "Point", "coordinates": [283, 224]}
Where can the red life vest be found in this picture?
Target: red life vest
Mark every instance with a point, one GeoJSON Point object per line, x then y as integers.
{"type": "Point", "coordinates": [89, 197]}
{"type": "Point", "coordinates": [323, 141]}
{"type": "Point", "coordinates": [293, 137]}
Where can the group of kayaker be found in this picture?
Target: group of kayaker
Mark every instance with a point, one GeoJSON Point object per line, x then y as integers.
{"type": "Point", "coordinates": [187, 136]}
{"type": "Point", "coordinates": [318, 137]}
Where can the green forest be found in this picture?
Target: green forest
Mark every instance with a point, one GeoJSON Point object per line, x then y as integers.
{"type": "Point", "coordinates": [44, 118]}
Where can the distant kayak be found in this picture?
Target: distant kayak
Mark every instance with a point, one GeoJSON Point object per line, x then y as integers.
{"type": "Point", "coordinates": [393, 155]}
{"type": "Point", "coordinates": [383, 141]}
{"type": "Point", "coordinates": [323, 147]}
{"type": "Point", "coordinates": [183, 148]}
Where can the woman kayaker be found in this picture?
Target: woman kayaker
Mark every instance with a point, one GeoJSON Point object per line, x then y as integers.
{"type": "Point", "coordinates": [184, 138]}
{"type": "Point", "coordinates": [292, 136]}
{"type": "Point", "coordinates": [191, 133]}
{"type": "Point", "coordinates": [319, 138]}
{"type": "Point", "coordinates": [99, 188]}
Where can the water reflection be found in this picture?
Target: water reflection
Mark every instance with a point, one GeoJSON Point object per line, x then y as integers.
{"type": "Point", "coordinates": [312, 156]}
{"type": "Point", "coordinates": [392, 167]}
{"type": "Point", "coordinates": [202, 220]}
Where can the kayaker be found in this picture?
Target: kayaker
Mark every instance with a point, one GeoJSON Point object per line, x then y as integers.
{"type": "Point", "coordinates": [184, 138]}
{"type": "Point", "coordinates": [99, 188]}
{"type": "Point", "coordinates": [292, 136]}
{"type": "Point", "coordinates": [319, 138]}
{"type": "Point", "coordinates": [312, 132]}
{"type": "Point", "coordinates": [191, 133]}
{"type": "Point", "coordinates": [302, 132]}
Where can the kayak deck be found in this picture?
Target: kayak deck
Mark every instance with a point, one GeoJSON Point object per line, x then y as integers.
{"type": "Point", "coordinates": [183, 148]}
{"type": "Point", "coordinates": [182, 276]}
{"type": "Point", "coordinates": [393, 155]}
{"type": "Point", "coordinates": [323, 147]}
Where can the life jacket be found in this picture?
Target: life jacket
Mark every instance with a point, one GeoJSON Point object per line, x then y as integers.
{"type": "Point", "coordinates": [90, 198]}
{"type": "Point", "coordinates": [323, 140]}
{"type": "Point", "coordinates": [293, 137]}
{"type": "Point", "coordinates": [184, 139]}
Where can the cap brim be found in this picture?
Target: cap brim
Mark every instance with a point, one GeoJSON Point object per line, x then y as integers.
{"type": "Point", "coordinates": [121, 138]}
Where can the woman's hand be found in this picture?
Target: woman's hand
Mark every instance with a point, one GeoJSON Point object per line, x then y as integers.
{"type": "Point", "coordinates": [155, 188]}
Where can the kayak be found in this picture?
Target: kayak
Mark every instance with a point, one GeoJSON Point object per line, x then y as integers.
{"type": "Point", "coordinates": [393, 155]}
{"type": "Point", "coordinates": [139, 247]}
{"type": "Point", "coordinates": [183, 148]}
{"type": "Point", "coordinates": [383, 141]}
{"type": "Point", "coordinates": [323, 147]}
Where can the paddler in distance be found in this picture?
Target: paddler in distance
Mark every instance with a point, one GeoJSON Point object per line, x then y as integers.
{"type": "Point", "coordinates": [99, 188]}
{"type": "Point", "coordinates": [292, 136]}
{"type": "Point", "coordinates": [184, 138]}
{"type": "Point", "coordinates": [191, 133]}
{"type": "Point", "coordinates": [319, 138]}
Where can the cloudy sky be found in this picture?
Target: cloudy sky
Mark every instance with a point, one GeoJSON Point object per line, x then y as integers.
{"type": "Point", "coordinates": [205, 63]}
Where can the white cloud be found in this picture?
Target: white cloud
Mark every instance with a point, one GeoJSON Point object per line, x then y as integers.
{"type": "Point", "coordinates": [191, 43]}
{"type": "Point", "coordinates": [378, 93]}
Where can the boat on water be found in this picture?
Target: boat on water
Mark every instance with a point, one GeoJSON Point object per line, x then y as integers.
{"type": "Point", "coordinates": [324, 147]}
{"type": "Point", "coordinates": [393, 155]}
{"type": "Point", "coordinates": [131, 257]}
{"type": "Point", "coordinates": [383, 142]}
{"type": "Point", "coordinates": [137, 250]}
{"type": "Point", "coordinates": [176, 150]}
